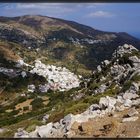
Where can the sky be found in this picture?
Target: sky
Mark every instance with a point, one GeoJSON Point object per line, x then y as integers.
{"type": "Point", "coordinates": [116, 17]}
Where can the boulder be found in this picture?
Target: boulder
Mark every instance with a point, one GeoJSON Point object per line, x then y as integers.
{"type": "Point", "coordinates": [45, 131]}
{"type": "Point", "coordinates": [129, 95]}
{"type": "Point", "coordinates": [127, 103]}
{"type": "Point", "coordinates": [130, 119]}
{"type": "Point", "coordinates": [68, 121]}
{"type": "Point", "coordinates": [107, 102]}
{"type": "Point", "coordinates": [132, 112]}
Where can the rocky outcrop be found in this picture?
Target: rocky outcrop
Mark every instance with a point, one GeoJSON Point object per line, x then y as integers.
{"type": "Point", "coordinates": [121, 50]}
{"type": "Point", "coordinates": [67, 126]}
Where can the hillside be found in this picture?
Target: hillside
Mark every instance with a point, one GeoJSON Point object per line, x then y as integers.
{"type": "Point", "coordinates": [57, 77]}
{"type": "Point", "coordinates": [63, 39]}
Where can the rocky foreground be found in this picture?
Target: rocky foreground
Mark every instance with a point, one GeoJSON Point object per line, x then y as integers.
{"type": "Point", "coordinates": [113, 115]}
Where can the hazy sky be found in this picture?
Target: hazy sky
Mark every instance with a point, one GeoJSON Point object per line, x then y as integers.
{"type": "Point", "coordinates": [118, 17]}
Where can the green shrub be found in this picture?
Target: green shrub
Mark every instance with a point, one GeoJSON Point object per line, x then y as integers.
{"type": "Point", "coordinates": [37, 103]}
{"type": "Point", "coordinates": [76, 108]}
{"type": "Point", "coordinates": [25, 108]}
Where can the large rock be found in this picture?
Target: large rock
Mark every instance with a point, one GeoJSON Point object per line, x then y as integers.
{"type": "Point", "coordinates": [132, 112]}
{"type": "Point", "coordinates": [130, 119]}
{"type": "Point", "coordinates": [45, 131]}
{"type": "Point", "coordinates": [68, 121]}
{"type": "Point", "coordinates": [121, 50]}
{"type": "Point", "coordinates": [107, 102]}
{"type": "Point", "coordinates": [127, 103]}
{"type": "Point", "coordinates": [129, 95]}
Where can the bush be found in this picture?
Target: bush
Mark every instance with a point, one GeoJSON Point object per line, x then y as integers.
{"type": "Point", "coordinates": [25, 108]}
{"type": "Point", "coordinates": [37, 103]}
{"type": "Point", "coordinates": [76, 108]}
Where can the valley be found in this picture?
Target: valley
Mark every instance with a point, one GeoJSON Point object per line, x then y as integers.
{"type": "Point", "coordinates": [58, 77]}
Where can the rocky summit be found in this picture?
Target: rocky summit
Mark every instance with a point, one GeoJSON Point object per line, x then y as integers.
{"type": "Point", "coordinates": [61, 79]}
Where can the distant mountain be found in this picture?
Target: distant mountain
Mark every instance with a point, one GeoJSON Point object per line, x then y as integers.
{"type": "Point", "coordinates": [61, 38]}
{"type": "Point", "coordinates": [59, 75]}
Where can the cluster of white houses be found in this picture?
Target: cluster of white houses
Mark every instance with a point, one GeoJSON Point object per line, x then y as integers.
{"type": "Point", "coordinates": [58, 78]}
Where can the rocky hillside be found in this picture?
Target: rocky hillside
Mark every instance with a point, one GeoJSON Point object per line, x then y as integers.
{"type": "Point", "coordinates": [117, 83]}
{"type": "Point", "coordinates": [57, 77]}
